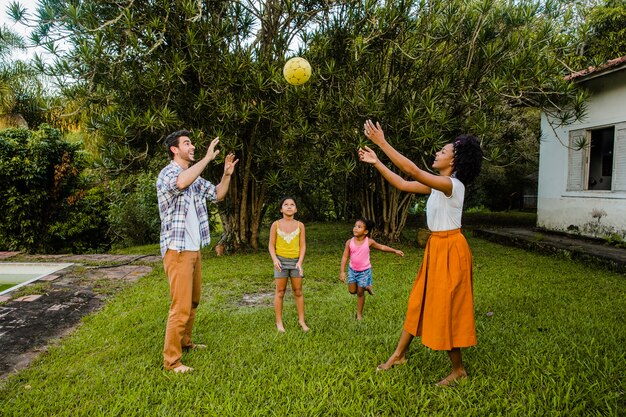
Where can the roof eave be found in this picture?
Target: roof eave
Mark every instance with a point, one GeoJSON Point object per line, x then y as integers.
{"type": "Point", "coordinates": [593, 75]}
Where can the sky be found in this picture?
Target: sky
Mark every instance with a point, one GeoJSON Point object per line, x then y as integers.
{"type": "Point", "coordinates": [30, 6]}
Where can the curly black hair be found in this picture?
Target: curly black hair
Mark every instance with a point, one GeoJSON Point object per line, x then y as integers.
{"type": "Point", "coordinates": [468, 158]}
{"type": "Point", "coordinates": [369, 224]}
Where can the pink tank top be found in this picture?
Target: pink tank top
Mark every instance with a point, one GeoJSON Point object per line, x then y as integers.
{"type": "Point", "coordinates": [360, 255]}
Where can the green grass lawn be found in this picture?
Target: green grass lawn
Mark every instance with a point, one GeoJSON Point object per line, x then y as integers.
{"type": "Point", "coordinates": [554, 345]}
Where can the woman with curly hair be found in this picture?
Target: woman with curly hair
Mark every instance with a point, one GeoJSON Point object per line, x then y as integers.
{"type": "Point", "coordinates": [441, 304]}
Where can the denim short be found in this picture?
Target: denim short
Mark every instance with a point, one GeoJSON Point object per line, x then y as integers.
{"type": "Point", "coordinates": [288, 268]}
{"type": "Point", "coordinates": [361, 278]}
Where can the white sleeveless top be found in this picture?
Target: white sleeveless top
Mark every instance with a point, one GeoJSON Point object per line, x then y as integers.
{"type": "Point", "coordinates": [442, 212]}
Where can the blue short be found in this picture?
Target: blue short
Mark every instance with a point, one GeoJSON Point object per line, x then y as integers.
{"type": "Point", "coordinates": [361, 278]}
{"type": "Point", "coordinates": [288, 268]}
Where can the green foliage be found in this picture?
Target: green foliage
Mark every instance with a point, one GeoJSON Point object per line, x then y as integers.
{"type": "Point", "coordinates": [427, 70]}
{"type": "Point", "coordinates": [45, 200]}
{"type": "Point", "coordinates": [419, 207]}
{"type": "Point", "coordinates": [140, 70]}
{"type": "Point", "coordinates": [82, 226]}
{"type": "Point", "coordinates": [430, 72]}
{"type": "Point", "coordinates": [604, 33]}
{"type": "Point", "coordinates": [9, 42]}
{"type": "Point", "coordinates": [134, 212]}
{"type": "Point", "coordinates": [616, 240]}
{"type": "Point", "coordinates": [500, 187]}
{"type": "Point", "coordinates": [21, 89]}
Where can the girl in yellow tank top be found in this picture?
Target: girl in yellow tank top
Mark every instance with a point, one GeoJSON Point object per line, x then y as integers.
{"type": "Point", "coordinates": [287, 247]}
{"type": "Point", "coordinates": [288, 244]}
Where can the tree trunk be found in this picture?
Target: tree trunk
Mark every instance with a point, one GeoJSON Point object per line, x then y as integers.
{"type": "Point", "coordinates": [242, 213]}
{"type": "Point", "coordinates": [388, 207]}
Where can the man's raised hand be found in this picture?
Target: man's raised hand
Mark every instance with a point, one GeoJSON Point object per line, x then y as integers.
{"type": "Point", "coordinates": [229, 164]}
{"type": "Point", "coordinates": [211, 153]}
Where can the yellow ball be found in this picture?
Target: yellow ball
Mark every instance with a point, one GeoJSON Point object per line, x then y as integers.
{"type": "Point", "coordinates": [297, 71]}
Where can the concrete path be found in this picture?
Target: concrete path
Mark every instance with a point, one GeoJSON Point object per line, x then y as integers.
{"type": "Point", "coordinates": [588, 250]}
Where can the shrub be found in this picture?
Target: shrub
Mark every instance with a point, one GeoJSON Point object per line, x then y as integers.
{"type": "Point", "coordinates": [134, 212]}
{"type": "Point", "coordinates": [43, 189]}
{"type": "Point", "coordinates": [83, 227]}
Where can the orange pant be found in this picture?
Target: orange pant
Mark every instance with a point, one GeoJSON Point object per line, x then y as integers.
{"type": "Point", "coordinates": [184, 273]}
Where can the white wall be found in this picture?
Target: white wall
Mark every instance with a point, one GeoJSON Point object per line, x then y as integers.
{"type": "Point", "coordinates": [559, 209]}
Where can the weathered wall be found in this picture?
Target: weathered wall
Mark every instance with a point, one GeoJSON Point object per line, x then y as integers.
{"type": "Point", "coordinates": [566, 210]}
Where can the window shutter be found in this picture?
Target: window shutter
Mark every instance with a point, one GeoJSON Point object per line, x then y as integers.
{"type": "Point", "coordinates": [576, 161]}
{"type": "Point", "coordinates": [619, 158]}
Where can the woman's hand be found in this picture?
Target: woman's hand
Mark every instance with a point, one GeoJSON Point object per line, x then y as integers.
{"type": "Point", "coordinates": [374, 132]}
{"type": "Point", "coordinates": [367, 155]}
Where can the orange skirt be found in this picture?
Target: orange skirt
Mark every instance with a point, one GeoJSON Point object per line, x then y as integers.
{"type": "Point", "coordinates": [441, 304]}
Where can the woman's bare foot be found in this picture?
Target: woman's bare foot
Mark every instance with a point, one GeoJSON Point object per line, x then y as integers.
{"type": "Point", "coordinates": [391, 362]}
{"type": "Point", "coordinates": [369, 289]}
{"type": "Point", "coordinates": [453, 378]}
{"type": "Point", "coordinates": [305, 328]}
{"type": "Point", "coordinates": [280, 327]}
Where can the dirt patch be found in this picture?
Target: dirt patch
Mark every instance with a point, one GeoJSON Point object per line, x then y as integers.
{"type": "Point", "coordinates": [26, 326]}
{"type": "Point", "coordinates": [57, 306]}
{"type": "Point", "coordinates": [256, 299]}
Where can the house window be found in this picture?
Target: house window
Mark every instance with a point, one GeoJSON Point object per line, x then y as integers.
{"type": "Point", "coordinates": [597, 159]}
{"type": "Point", "coordinates": [600, 172]}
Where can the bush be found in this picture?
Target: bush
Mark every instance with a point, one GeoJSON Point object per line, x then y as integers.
{"type": "Point", "coordinates": [45, 196]}
{"type": "Point", "coordinates": [499, 188]}
{"type": "Point", "coordinates": [83, 227]}
{"type": "Point", "coordinates": [134, 212]}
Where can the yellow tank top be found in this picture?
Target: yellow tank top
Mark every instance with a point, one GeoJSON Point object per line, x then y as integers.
{"type": "Point", "coordinates": [288, 244]}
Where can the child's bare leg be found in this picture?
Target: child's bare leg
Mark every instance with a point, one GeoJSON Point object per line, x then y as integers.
{"type": "Point", "coordinates": [281, 285]}
{"type": "Point", "coordinates": [369, 289]}
{"type": "Point", "coordinates": [296, 286]}
{"type": "Point", "coordinates": [360, 302]}
{"type": "Point", "coordinates": [352, 288]}
{"type": "Point", "coordinates": [399, 355]}
{"type": "Point", "coordinates": [458, 370]}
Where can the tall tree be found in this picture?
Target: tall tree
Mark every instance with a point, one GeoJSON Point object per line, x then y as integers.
{"type": "Point", "coordinates": [603, 33]}
{"type": "Point", "coordinates": [142, 69]}
{"type": "Point", "coordinates": [21, 92]}
{"type": "Point", "coordinates": [9, 42]}
{"type": "Point", "coordinates": [429, 70]}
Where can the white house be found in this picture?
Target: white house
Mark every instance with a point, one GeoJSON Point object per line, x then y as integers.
{"type": "Point", "coordinates": [583, 191]}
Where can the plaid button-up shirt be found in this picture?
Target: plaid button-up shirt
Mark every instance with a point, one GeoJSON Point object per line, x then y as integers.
{"type": "Point", "coordinates": [174, 204]}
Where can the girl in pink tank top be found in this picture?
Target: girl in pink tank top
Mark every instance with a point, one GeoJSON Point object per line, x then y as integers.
{"type": "Point", "coordinates": [360, 268]}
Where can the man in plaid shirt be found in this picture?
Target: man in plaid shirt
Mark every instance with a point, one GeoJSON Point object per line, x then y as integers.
{"type": "Point", "coordinates": [182, 196]}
